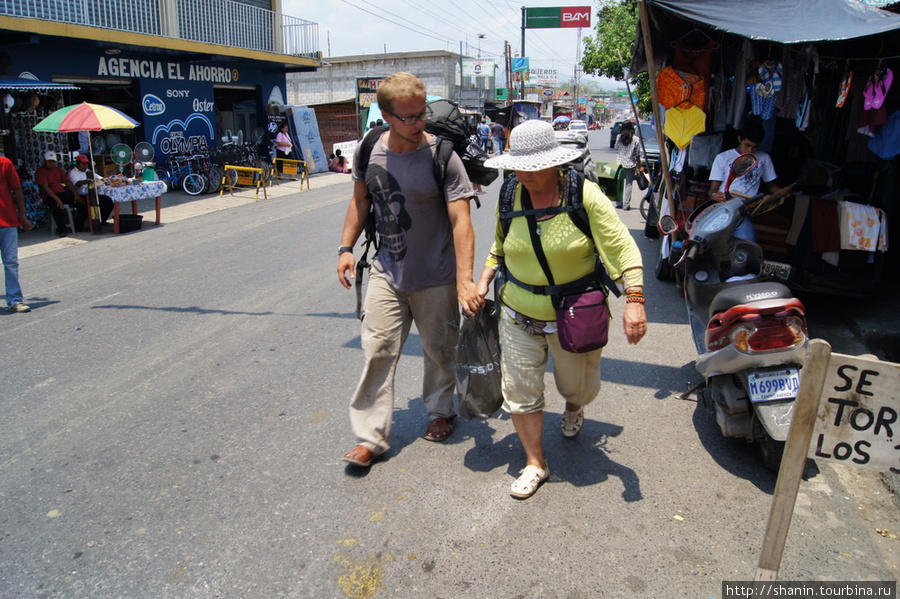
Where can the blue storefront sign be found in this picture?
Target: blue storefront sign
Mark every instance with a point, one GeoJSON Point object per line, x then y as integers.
{"type": "Point", "coordinates": [175, 101]}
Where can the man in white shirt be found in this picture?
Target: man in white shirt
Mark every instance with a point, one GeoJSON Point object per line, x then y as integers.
{"type": "Point", "coordinates": [749, 138]}
{"type": "Point", "coordinates": [80, 183]}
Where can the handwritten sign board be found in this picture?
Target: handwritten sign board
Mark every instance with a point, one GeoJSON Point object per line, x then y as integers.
{"type": "Point", "coordinates": [846, 412]}
{"type": "Point", "coordinates": [858, 422]}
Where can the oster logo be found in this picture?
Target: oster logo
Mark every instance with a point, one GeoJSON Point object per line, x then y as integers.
{"type": "Point", "coordinates": [575, 16]}
{"type": "Point", "coordinates": [152, 105]}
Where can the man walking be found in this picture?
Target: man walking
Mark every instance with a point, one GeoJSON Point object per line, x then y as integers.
{"type": "Point", "coordinates": [499, 135]}
{"type": "Point", "coordinates": [484, 133]}
{"type": "Point", "coordinates": [421, 273]}
{"type": "Point", "coordinates": [12, 215]}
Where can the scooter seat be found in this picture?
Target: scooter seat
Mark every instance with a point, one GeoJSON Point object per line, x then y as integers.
{"type": "Point", "coordinates": [746, 293]}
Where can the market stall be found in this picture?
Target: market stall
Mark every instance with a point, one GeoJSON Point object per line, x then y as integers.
{"type": "Point", "coordinates": [25, 103]}
{"type": "Point", "coordinates": [817, 77]}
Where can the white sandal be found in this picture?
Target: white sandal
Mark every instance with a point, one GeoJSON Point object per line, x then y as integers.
{"type": "Point", "coordinates": [528, 482]}
{"type": "Point", "coordinates": [572, 423]}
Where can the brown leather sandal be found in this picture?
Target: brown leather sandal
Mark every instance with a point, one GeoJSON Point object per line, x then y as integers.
{"type": "Point", "coordinates": [440, 428]}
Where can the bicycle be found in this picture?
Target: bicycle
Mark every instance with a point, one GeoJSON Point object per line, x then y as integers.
{"type": "Point", "coordinates": [181, 174]}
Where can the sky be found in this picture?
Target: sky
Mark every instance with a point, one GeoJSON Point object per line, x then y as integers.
{"type": "Point", "coordinates": [349, 27]}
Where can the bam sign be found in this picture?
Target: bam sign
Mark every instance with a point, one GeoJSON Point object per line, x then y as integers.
{"type": "Point", "coordinates": [553, 17]}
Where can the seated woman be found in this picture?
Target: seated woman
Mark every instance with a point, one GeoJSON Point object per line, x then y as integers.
{"type": "Point", "coordinates": [338, 163]}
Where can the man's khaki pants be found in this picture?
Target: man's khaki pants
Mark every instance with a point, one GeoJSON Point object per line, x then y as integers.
{"type": "Point", "coordinates": [389, 314]}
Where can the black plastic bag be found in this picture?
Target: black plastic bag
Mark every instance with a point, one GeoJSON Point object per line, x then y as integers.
{"type": "Point", "coordinates": [478, 377]}
{"type": "Point", "coordinates": [641, 180]}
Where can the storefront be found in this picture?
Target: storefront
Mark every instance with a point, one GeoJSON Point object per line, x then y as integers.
{"type": "Point", "coordinates": [808, 79]}
{"type": "Point", "coordinates": [183, 104]}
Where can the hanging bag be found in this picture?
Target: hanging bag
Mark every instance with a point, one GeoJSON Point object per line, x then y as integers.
{"type": "Point", "coordinates": [478, 365]}
{"type": "Point", "coordinates": [641, 178]}
{"type": "Point", "coordinates": [582, 321]}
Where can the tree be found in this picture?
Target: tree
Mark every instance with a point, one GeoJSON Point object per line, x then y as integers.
{"type": "Point", "coordinates": [609, 51]}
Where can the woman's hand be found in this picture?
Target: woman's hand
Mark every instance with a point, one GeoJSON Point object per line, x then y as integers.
{"type": "Point", "coordinates": [484, 282]}
{"type": "Point", "coordinates": [635, 322]}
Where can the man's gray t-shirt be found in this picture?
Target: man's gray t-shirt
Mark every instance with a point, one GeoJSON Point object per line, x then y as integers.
{"type": "Point", "coordinates": [416, 239]}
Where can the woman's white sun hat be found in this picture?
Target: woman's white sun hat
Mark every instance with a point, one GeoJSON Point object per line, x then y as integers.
{"type": "Point", "coordinates": [533, 147]}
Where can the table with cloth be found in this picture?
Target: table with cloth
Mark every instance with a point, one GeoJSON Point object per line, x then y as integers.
{"type": "Point", "coordinates": [133, 193]}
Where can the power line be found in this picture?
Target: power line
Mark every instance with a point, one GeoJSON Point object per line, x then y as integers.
{"type": "Point", "coordinates": [443, 40]}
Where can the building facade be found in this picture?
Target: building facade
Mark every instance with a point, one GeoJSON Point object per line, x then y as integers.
{"type": "Point", "coordinates": [189, 71]}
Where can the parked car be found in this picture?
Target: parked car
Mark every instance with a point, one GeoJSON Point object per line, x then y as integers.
{"type": "Point", "coordinates": [614, 133]}
{"type": "Point", "coordinates": [579, 127]}
{"type": "Point", "coordinates": [651, 144]}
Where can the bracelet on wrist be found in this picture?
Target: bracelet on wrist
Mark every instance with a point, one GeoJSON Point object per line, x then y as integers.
{"type": "Point", "coordinates": [635, 299]}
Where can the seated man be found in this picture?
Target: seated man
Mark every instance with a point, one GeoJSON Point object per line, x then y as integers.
{"type": "Point", "coordinates": [749, 138]}
{"type": "Point", "coordinates": [53, 184]}
{"type": "Point", "coordinates": [80, 180]}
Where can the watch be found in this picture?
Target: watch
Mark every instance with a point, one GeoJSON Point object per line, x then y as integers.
{"type": "Point", "coordinates": [344, 248]}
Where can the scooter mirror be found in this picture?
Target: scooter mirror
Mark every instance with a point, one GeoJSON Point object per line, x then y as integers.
{"type": "Point", "coordinates": [740, 167]}
{"type": "Point", "coordinates": [742, 164]}
{"type": "Point", "coordinates": [667, 225]}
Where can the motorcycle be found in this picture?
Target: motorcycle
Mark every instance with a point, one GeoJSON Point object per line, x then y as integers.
{"type": "Point", "coordinates": [750, 334]}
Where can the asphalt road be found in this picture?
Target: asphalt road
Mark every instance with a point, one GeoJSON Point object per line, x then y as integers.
{"type": "Point", "coordinates": [174, 411]}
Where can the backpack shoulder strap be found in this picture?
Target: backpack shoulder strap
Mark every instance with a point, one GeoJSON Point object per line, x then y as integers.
{"type": "Point", "coordinates": [363, 153]}
{"type": "Point", "coordinates": [507, 201]}
{"type": "Point", "coordinates": [364, 150]}
{"type": "Point", "coordinates": [581, 220]}
{"type": "Point", "coordinates": [443, 151]}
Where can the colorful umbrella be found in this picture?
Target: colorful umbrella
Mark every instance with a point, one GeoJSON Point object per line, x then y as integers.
{"type": "Point", "coordinates": [562, 119]}
{"type": "Point", "coordinates": [682, 124]}
{"type": "Point", "coordinates": [87, 117]}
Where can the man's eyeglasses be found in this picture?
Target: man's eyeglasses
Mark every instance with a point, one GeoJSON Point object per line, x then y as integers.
{"type": "Point", "coordinates": [412, 120]}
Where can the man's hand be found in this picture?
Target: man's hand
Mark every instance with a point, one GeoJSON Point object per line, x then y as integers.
{"type": "Point", "coordinates": [469, 299]}
{"type": "Point", "coordinates": [346, 263]}
{"type": "Point", "coordinates": [26, 224]}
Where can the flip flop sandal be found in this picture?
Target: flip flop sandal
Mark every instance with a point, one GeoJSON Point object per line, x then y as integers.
{"type": "Point", "coordinates": [572, 422]}
{"type": "Point", "coordinates": [882, 85]}
{"type": "Point", "coordinates": [869, 93]}
{"type": "Point", "coordinates": [844, 90]}
{"type": "Point", "coordinates": [528, 482]}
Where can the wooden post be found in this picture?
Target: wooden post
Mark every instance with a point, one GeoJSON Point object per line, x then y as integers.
{"type": "Point", "coordinates": [812, 381]}
{"type": "Point", "coordinates": [654, 93]}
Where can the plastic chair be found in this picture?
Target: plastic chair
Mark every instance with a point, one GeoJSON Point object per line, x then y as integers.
{"type": "Point", "coordinates": [69, 218]}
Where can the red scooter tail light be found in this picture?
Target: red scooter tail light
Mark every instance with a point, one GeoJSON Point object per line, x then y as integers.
{"type": "Point", "coordinates": [768, 334]}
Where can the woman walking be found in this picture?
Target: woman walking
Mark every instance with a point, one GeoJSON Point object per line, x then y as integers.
{"type": "Point", "coordinates": [546, 232]}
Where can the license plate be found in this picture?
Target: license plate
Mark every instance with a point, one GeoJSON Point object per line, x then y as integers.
{"type": "Point", "coordinates": [773, 385]}
{"type": "Point", "coordinates": [778, 271]}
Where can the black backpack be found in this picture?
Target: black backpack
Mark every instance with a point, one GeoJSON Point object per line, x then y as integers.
{"type": "Point", "coordinates": [450, 127]}
{"type": "Point", "coordinates": [574, 207]}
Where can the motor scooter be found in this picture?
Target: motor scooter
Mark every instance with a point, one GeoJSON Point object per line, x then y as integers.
{"type": "Point", "coordinates": [750, 333]}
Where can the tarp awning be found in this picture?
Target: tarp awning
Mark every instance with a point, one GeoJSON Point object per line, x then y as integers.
{"type": "Point", "coordinates": [786, 21]}
{"type": "Point", "coordinates": [33, 85]}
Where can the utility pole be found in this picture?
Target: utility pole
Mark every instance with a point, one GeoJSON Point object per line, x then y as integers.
{"type": "Point", "coordinates": [577, 65]}
{"type": "Point", "coordinates": [507, 55]}
{"type": "Point", "coordinates": [522, 77]}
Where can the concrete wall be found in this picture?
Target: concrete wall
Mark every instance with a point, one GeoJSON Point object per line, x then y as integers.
{"type": "Point", "coordinates": [335, 81]}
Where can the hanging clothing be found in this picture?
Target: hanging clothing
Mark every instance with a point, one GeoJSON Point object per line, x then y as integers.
{"type": "Point", "coordinates": [862, 227]}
